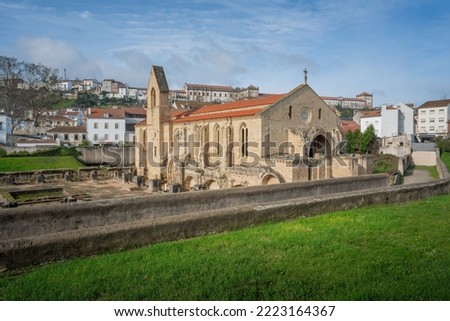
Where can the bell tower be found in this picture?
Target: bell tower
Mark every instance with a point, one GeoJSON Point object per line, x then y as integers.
{"type": "Point", "coordinates": [158, 113]}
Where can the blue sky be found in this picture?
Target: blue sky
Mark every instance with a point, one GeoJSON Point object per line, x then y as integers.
{"type": "Point", "coordinates": [399, 50]}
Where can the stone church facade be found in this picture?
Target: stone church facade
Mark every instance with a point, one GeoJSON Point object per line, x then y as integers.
{"type": "Point", "coordinates": [266, 140]}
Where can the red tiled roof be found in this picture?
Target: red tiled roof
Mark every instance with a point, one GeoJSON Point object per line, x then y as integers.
{"type": "Point", "coordinates": [112, 113]}
{"type": "Point", "coordinates": [135, 110]}
{"type": "Point", "coordinates": [223, 114]}
{"type": "Point", "coordinates": [247, 107]}
{"type": "Point", "coordinates": [370, 113]}
{"type": "Point", "coordinates": [116, 113]}
{"type": "Point", "coordinates": [349, 126]}
{"type": "Point", "coordinates": [436, 103]}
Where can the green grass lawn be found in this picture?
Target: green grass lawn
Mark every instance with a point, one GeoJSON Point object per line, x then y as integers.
{"type": "Point", "coordinates": [385, 163]}
{"type": "Point", "coordinates": [432, 170]}
{"type": "Point", "coordinates": [18, 164]}
{"type": "Point", "coordinates": [391, 252]}
{"type": "Point", "coordinates": [446, 159]}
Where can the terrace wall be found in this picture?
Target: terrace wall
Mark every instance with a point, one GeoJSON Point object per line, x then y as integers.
{"type": "Point", "coordinates": [31, 236]}
{"type": "Point", "coordinates": [62, 175]}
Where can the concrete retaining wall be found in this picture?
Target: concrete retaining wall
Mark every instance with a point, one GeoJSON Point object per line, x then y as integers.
{"type": "Point", "coordinates": [135, 222]}
{"type": "Point", "coordinates": [425, 158]}
{"type": "Point", "coordinates": [52, 218]}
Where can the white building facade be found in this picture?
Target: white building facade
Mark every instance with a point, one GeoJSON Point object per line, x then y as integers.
{"type": "Point", "coordinates": [113, 125]}
{"type": "Point", "coordinates": [374, 120]}
{"type": "Point", "coordinates": [389, 121]}
{"type": "Point", "coordinates": [363, 100]}
{"type": "Point", "coordinates": [432, 118]}
{"type": "Point", "coordinates": [5, 128]}
{"type": "Point", "coordinates": [105, 126]}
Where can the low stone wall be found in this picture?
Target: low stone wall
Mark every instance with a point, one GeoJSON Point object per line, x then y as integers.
{"type": "Point", "coordinates": [61, 175]}
{"type": "Point", "coordinates": [117, 224]}
{"type": "Point", "coordinates": [442, 169]}
{"type": "Point", "coordinates": [52, 218]}
{"type": "Point", "coordinates": [122, 156]}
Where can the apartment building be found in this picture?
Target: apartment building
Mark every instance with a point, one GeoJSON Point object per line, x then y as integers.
{"type": "Point", "coordinates": [112, 125]}
{"type": "Point", "coordinates": [214, 94]}
{"type": "Point", "coordinates": [388, 121]}
{"type": "Point", "coordinates": [433, 119]}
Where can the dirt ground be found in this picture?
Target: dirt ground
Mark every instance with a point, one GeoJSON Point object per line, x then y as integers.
{"type": "Point", "coordinates": [83, 191]}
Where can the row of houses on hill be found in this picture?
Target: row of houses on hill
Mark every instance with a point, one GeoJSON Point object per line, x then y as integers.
{"type": "Point", "coordinates": [224, 94]}
{"type": "Point", "coordinates": [75, 126]}
{"type": "Point", "coordinates": [429, 120]}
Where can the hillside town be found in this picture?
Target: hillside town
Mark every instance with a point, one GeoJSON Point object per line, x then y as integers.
{"type": "Point", "coordinates": [75, 126]}
{"type": "Point", "coordinates": [209, 136]}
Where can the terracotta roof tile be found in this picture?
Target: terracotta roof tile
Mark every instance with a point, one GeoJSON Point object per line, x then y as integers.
{"type": "Point", "coordinates": [116, 113]}
{"type": "Point", "coordinates": [349, 126]}
{"type": "Point", "coordinates": [246, 107]}
{"type": "Point", "coordinates": [370, 113]}
{"type": "Point", "coordinates": [223, 114]}
{"type": "Point", "coordinates": [436, 103]}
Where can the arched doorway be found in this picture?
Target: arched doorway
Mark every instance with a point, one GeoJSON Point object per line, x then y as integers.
{"type": "Point", "coordinates": [319, 147]}
{"type": "Point", "coordinates": [188, 183]}
{"type": "Point", "coordinates": [212, 184]}
{"type": "Point", "coordinates": [270, 180]}
{"type": "Point", "coordinates": [319, 157]}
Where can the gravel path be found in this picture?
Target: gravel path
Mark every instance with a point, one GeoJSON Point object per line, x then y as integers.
{"type": "Point", "coordinates": [417, 176]}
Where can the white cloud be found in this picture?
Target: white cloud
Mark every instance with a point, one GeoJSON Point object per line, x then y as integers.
{"type": "Point", "coordinates": [56, 54]}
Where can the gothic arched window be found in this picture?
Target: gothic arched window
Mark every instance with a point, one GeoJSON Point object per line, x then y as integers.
{"type": "Point", "coordinates": [153, 98]}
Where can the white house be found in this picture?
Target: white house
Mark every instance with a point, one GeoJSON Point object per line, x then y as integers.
{"type": "Point", "coordinates": [65, 85]}
{"type": "Point", "coordinates": [370, 118]}
{"type": "Point", "coordinates": [388, 121]}
{"type": "Point", "coordinates": [405, 123]}
{"type": "Point", "coordinates": [73, 135]}
{"type": "Point", "coordinates": [432, 118]}
{"type": "Point", "coordinates": [5, 128]}
{"type": "Point", "coordinates": [74, 113]}
{"type": "Point", "coordinates": [112, 125]}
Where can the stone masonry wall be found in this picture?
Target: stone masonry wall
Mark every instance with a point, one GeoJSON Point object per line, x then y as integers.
{"type": "Point", "coordinates": [109, 225]}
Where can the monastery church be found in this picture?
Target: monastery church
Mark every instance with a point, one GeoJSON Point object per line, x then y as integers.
{"type": "Point", "coordinates": [266, 140]}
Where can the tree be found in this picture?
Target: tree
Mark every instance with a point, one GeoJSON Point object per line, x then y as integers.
{"type": "Point", "coordinates": [41, 93]}
{"type": "Point", "coordinates": [87, 100]}
{"type": "Point", "coordinates": [28, 85]}
{"type": "Point", "coordinates": [10, 77]}
{"type": "Point", "coordinates": [353, 141]}
{"type": "Point", "coordinates": [362, 143]}
{"type": "Point", "coordinates": [367, 140]}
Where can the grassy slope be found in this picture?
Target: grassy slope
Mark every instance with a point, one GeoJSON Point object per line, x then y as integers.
{"type": "Point", "coordinates": [385, 163]}
{"type": "Point", "coordinates": [446, 159]}
{"type": "Point", "coordinates": [394, 252]}
{"type": "Point", "coordinates": [16, 164]}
